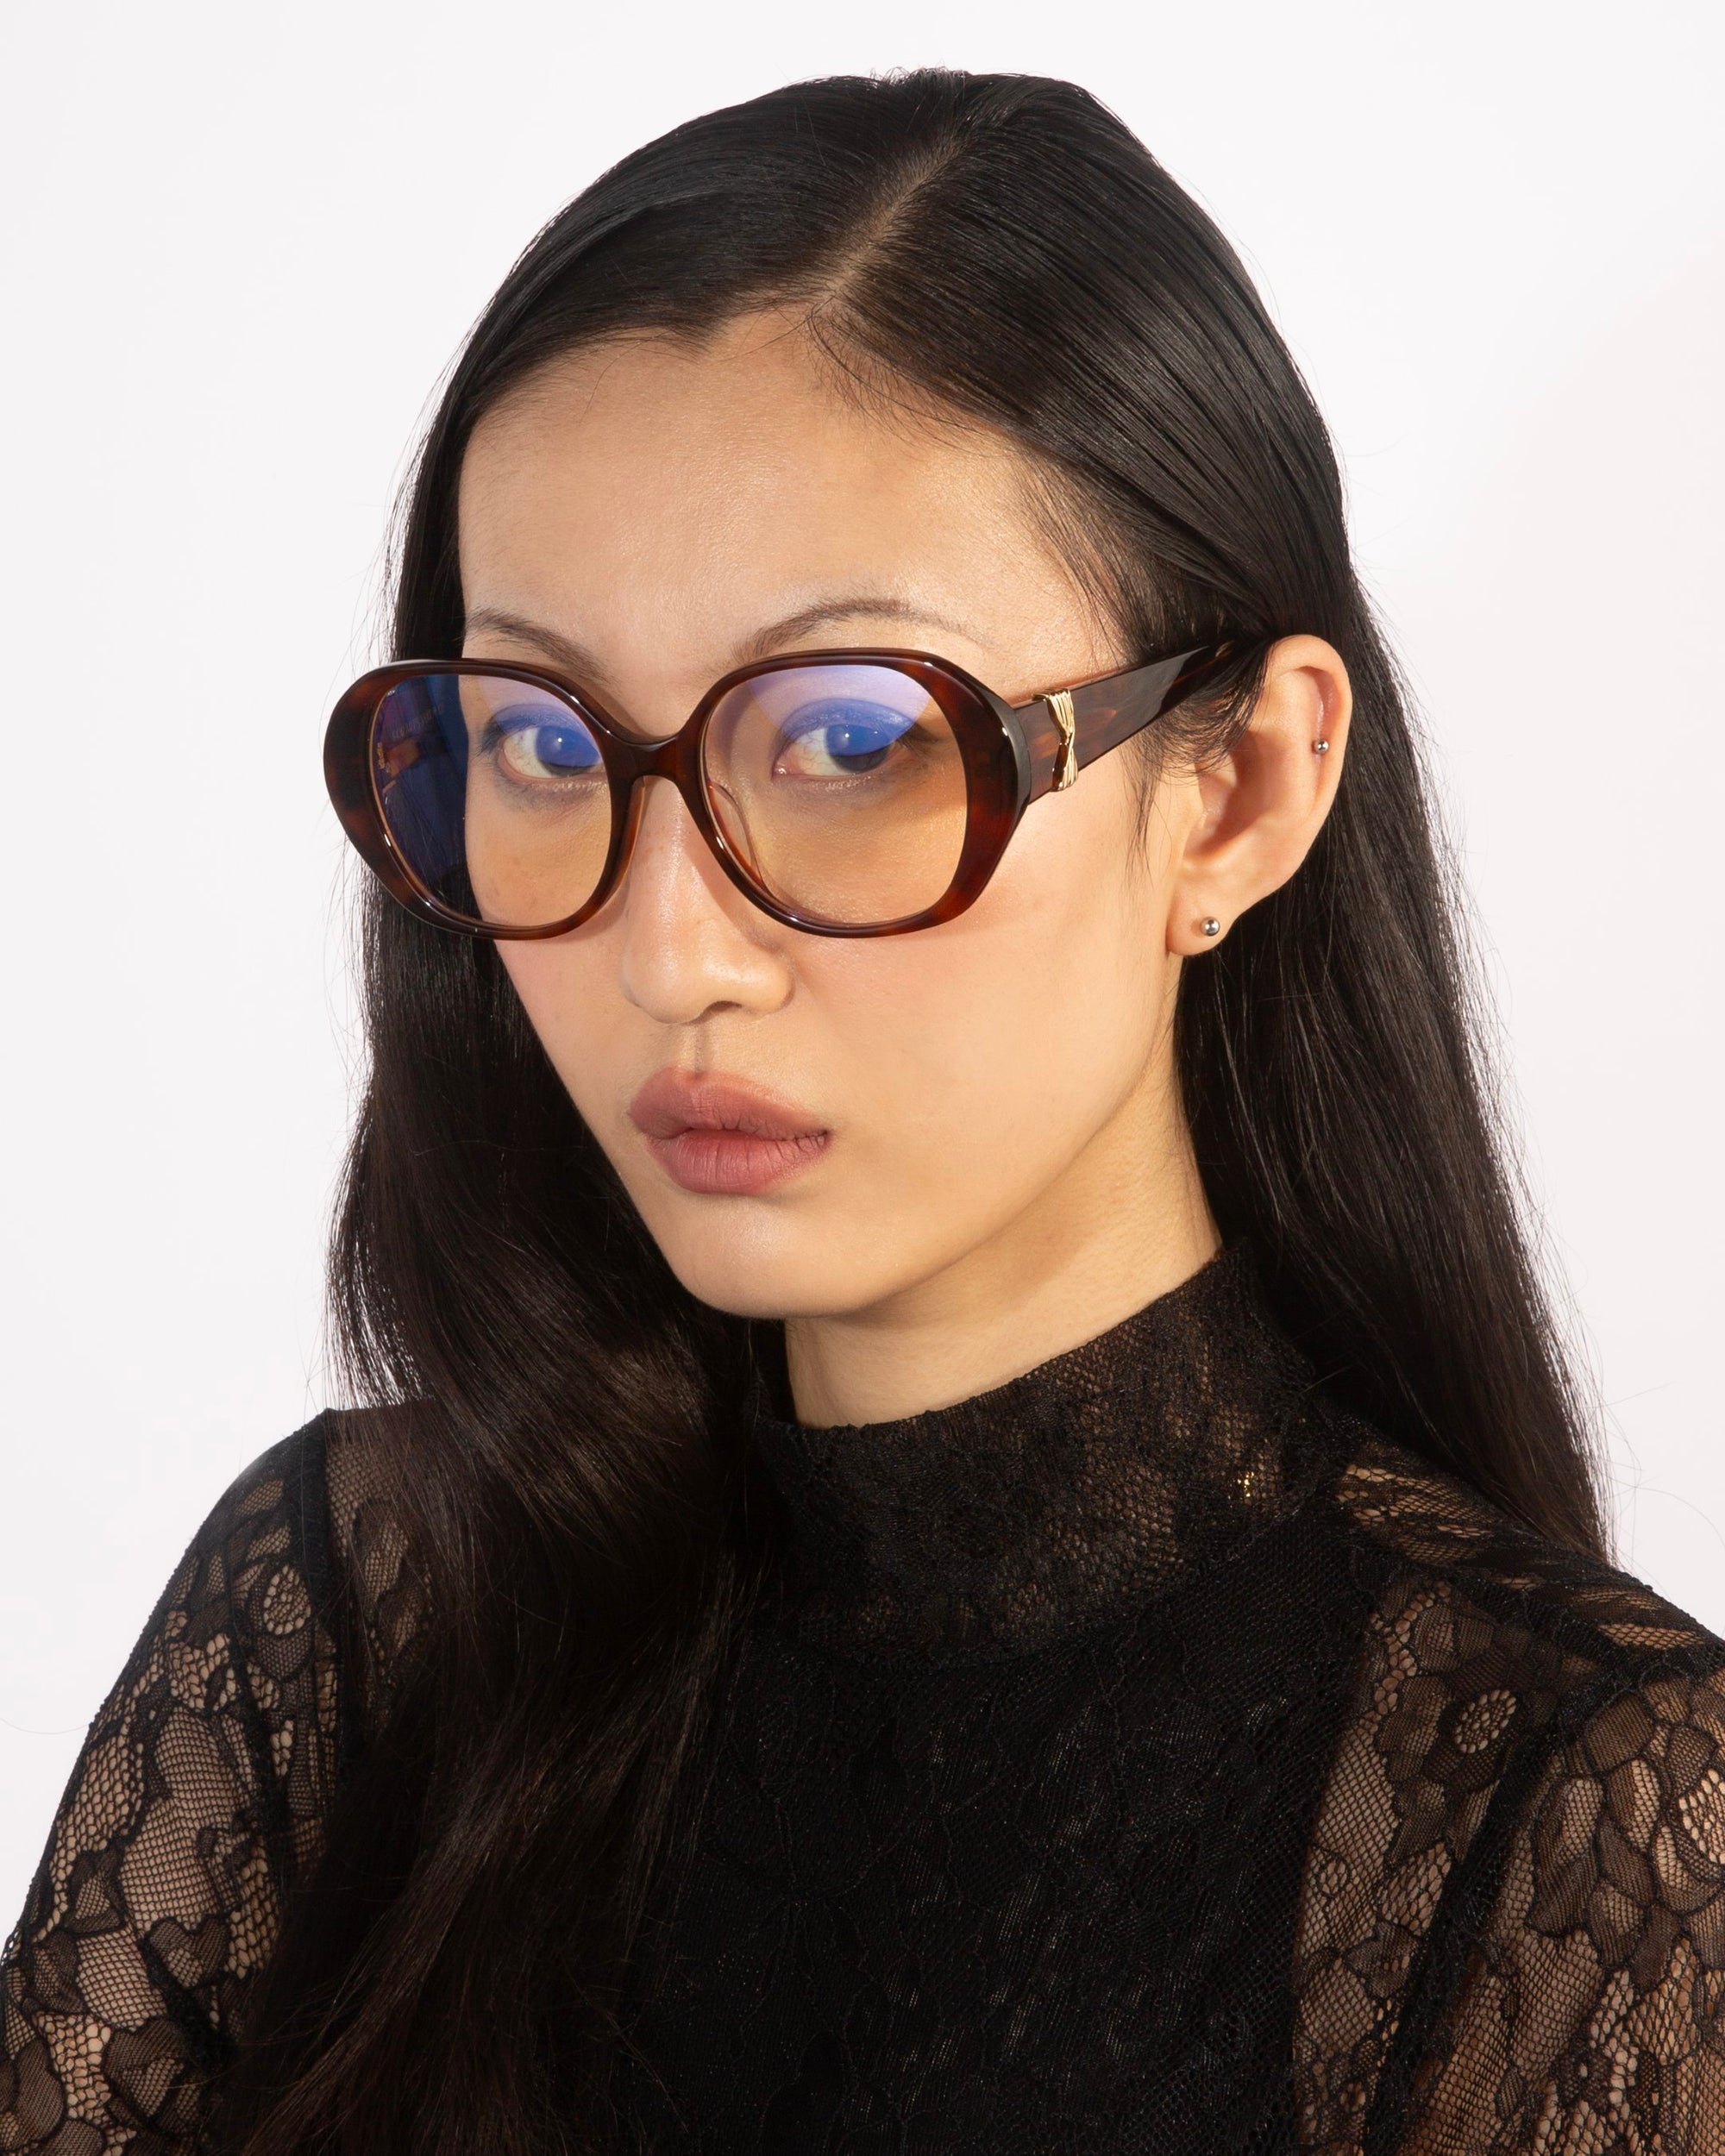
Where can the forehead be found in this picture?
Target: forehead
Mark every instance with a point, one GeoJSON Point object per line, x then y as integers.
{"type": "Point", "coordinates": [693, 486]}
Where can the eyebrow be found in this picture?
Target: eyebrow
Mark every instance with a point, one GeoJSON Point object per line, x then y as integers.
{"type": "Point", "coordinates": [851, 606]}
{"type": "Point", "coordinates": [583, 665]}
{"type": "Point", "coordinates": [564, 653]}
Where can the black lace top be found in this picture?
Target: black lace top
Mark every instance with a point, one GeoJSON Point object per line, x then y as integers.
{"type": "Point", "coordinates": [1142, 1757]}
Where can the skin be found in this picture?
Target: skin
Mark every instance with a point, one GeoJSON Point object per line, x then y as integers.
{"type": "Point", "coordinates": [1009, 1172]}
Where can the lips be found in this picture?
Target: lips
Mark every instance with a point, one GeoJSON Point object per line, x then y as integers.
{"type": "Point", "coordinates": [721, 1137]}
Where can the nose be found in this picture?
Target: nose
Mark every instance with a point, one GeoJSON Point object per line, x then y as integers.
{"type": "Point", "coordinates": [690, 944]}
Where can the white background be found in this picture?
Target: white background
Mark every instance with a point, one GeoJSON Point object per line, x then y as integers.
{"type": "Point", "coordinates": [241, 243]}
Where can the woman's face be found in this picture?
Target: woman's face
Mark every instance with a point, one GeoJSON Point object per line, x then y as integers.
{"type": "Point", "coordinates": [817, 1128]}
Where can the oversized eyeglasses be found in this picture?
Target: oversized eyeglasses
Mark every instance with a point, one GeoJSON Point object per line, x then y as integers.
{"type": "Point", "coordinates": [846, 793]}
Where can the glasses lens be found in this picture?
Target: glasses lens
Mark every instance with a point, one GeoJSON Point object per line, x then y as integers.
{"type": "Point", "coordinates": [841, 788]}
{"type": "Point", "coordinates": [494, 795]}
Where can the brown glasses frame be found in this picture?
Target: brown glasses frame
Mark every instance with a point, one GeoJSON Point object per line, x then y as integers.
{"type": "Point", "coordinates": [1013, 753]}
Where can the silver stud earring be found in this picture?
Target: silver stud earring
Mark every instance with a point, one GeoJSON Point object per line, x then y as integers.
{"type": "Point", "coordinates": [1211, 927]}
{"type": "Point", "coordinates": [1320, 749]}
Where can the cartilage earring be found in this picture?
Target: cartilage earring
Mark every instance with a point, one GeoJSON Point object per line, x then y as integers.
{"type": "Point", "coordinates": [1320, 749]}
{"type": "Point", "coordinates": [1211, 927]}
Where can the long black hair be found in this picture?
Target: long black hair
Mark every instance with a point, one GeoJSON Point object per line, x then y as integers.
{"type": "Point", "coordinates": [557, 1422]}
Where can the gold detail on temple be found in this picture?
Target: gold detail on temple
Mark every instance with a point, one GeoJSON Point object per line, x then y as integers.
{"type": "Point", "coordinates": [1066, 759]}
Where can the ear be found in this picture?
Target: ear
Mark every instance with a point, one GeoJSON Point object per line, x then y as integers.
{"type": "Point", "coordinates": [1259, 809]}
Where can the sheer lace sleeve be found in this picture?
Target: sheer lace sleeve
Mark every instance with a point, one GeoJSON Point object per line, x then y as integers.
{"type": "Point", "coordinates": [1513, 1931]}
{"type": "Point", "coordinates": [197, 1798]}
{"type": "Point", "coordinates": [1590, 2014]}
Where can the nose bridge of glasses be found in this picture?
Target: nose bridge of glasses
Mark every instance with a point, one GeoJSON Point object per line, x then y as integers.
{"type": "Point", "coordinates": [677, 759]}
{"type": "Point", "coordinates": [633, 759]}
{"type": "Point", "coordinates": [633, 762]}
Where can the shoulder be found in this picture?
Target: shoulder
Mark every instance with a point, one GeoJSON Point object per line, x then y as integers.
{"type": "Point", "coordinates": [252, 1639]}
{"type": "Point", "coordinates": [1522, 1843]}
{"type": "Point", "coordinates": [237, 1625]}
{"type": "Point", "coordinates": [1502, 1671]}
{"type": "Point", "coordinates": [1430, 1526]}
{"type": "Point", "coordinates": [318, 1517]}
{"type": "Point", "coordinates": [308, 1549]}
{"type": "Point", "coordinates": [261, 1556]}
{"type": "Point", "coordinates": [239, 1646]}
{"type": "Point", "coordinates": [1487, 1641]}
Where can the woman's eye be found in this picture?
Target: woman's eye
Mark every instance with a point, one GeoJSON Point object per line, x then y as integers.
{"type": "Point", "coordinates": [533, 749]}
{"type": "Point", "coordinates": [840, 741]}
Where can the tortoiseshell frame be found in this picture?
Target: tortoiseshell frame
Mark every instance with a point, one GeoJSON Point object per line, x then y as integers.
{"type": "Point", "coordinates": [1013, 755]}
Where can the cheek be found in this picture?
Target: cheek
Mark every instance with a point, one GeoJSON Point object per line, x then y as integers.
{"type": "Point", "coordinates": [568, 990]}
{"type": "Point", "coordinates": [987, 1052]}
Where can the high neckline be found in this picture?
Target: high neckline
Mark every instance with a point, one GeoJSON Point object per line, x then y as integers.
{"type": "Point", "coordinates": [1091, 1485]}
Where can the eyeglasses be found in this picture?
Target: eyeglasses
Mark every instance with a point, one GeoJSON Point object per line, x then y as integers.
{"type": "Point", "coordinates": [845, 793]}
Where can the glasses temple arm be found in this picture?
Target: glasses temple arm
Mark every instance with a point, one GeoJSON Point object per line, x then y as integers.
{"type": "Point", "coordinates": [1068, 729]}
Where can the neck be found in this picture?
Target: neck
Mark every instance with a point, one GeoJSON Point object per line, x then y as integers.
{"type": "Point", "coordinates": [1126, 1222]}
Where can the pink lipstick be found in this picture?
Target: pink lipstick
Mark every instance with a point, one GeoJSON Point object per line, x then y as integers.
{"type": "Point", "coordinates": [722, 1137]}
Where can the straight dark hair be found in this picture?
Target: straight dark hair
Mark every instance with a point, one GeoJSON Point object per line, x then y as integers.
{"type": "Point", "coordinates": [561, 1434]}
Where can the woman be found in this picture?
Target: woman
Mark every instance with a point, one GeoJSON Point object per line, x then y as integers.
{"type": "Point", "coordinates": [967, 1531]}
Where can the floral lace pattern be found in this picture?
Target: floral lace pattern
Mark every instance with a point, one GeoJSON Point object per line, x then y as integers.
{"type": "Point", "coordinates": [198, 1797]}
{"type": "Point", "coordinates": [1101, 1700]}
{"type": "Point", "coordinates": [1513, 1933]}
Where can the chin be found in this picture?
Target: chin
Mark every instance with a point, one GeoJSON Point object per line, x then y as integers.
{"type": "Point", "coordinates": [750, 1273]}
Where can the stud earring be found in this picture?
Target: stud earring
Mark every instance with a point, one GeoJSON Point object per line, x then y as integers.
{"type": "Point", "coordinates": [1320, 749]}
{"type": "Point", "coordinates": [1211, 927]}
